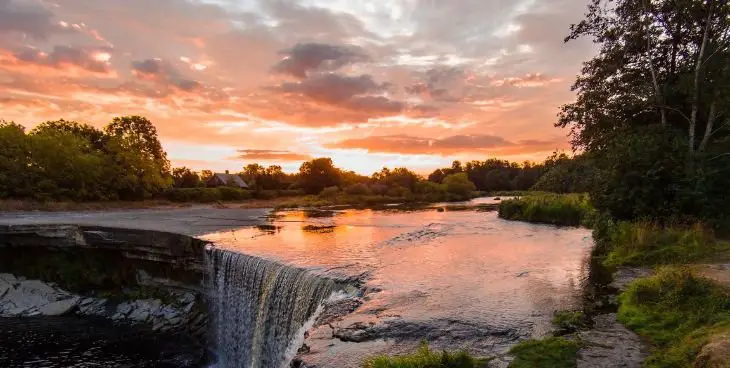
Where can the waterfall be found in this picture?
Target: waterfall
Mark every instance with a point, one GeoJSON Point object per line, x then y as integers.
{"type": "Point", "coordinates": [260, 308]}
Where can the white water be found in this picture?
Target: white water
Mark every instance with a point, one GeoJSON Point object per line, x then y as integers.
{"type": "Point", "coordinates": [261, 308]}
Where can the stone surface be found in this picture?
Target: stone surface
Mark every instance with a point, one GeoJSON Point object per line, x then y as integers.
{"type": "Point", "coordinates": [610, 345]}
{"type": "Point", "coordinates": [715, 354]}
{"type": "Point", "coordinates": [60, 307]}
{"type": "Point", "coordinates": [625, 275]}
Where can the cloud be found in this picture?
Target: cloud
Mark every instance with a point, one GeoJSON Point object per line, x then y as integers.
{"type": "Point", "coordinates": [406, 144]}
{"type": "Point", "coordinates": [93, 59]}
{"type": "Point", "coordinates": [271, 155]}
{"type": "Point", "coordinates": [306, 57]}
{"type": "Point", "coordinates": [25, 18]}
{"type": "Point", "coordinates": [164, 73]}
{"type": "Point", "coordinates": [529, 80]}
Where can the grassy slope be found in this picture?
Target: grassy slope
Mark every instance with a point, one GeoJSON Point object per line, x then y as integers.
{"type": "Point", "coordinates": [549, 208]}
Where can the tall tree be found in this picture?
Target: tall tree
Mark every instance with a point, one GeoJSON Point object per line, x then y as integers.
{"type": "Point", "coordinates": [317, 174]}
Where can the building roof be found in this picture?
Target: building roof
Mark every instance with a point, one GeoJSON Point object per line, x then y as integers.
{"type": "Point", "coordinates": [231, 178]}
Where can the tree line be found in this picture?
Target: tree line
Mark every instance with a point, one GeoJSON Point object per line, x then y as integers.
{"type": "Point", "coordinates": [66, 160]}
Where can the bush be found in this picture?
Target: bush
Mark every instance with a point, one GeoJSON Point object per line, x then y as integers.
{"type": "Point", "coordinates": [357, 189]}
{"type": "Point", "coordinates": [329, 192]}
{"type": "Point", "coordinates": [547, 208]}
{"type": "Point", "coordinates": [459, 186]}
{"type": "Point", "coordinates": [425, 358]}
{"type": "Point", "coordinates": [233, 194]}
{"type": "Point", "coordinates": [566, 322]}
{"type": "Point", "coordinates": [643, 243]}
{"type": "Point", "coordinates": [677, 312]}
{"type": "Point", "coordinates": [553, 352]}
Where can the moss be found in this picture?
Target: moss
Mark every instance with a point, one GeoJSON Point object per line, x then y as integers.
{"type": "Point", "coordinates": [426, 358]}
{"type": "Point", "coordinates": [677, 312]}
{"type": "Point", "coordinates": [549, 208]}
{"type": "Point", "coordinates": [553, 352]}
{"type": "Point", "coordinates": [566, 322]}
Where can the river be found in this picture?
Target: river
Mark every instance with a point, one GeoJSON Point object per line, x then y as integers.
{"type": "Point", "coordinates": [460, 277]}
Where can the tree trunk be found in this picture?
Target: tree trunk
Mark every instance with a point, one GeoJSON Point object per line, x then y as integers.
{"type": "Point", "coordinates": [696, 86]}
{"type": "Point", "coordinates": [708, 128]}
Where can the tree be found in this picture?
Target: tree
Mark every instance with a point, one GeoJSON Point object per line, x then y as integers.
{"type": "Point", "coordinates": [95, 137]}
{"type": "Point", "coordinates": [182, 177]}
{"type": "Point", "coordinates": [317, 174]}
{"type": "Point", "coordinates": [142, 168]}
{"type": "Point", "coordinates": [13, 160]}
{"type": "Point", "coordinates": [459, 185]}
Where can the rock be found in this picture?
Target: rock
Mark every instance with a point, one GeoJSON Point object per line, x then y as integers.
{"type": "Point", "coordinates": [8, 279]}
{"type": "Point", "coordinates": [60, 307]}
{"type": "Point", "coordinates": [625, 275]}
{"type": "Point", "coordinates": [140, 312]}
{"type": "Point", "coordinates": [715, 354]}
{"type": "Point", "coordinates": [609, 345]}
{"type": "Point", "coordinates": [124, 308]}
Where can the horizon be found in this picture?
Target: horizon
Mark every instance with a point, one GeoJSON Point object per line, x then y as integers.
{"type": "Point", "coordinates": [406, 83]}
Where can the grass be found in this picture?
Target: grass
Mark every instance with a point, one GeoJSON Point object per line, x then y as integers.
{"type": "Point", "coordinates": [648, 244]}
{"type": "Point", "coordinates": [677, 312]}
{"type": "Point", "coordinates": [566, 322]}
{"type": "Point", "coordinates": [553, 352]}
{"type": "Point", "coordinates": [426, 358]}
{"type": "Point", "coordinates": [549, 208]}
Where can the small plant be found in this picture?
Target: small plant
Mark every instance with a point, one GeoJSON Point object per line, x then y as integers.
{"type": "Point", "coordinates": [567, 322]}
{"type": "Point", "coordinates": [549, 208]}
{"type": "Point", "coordinates": [426, 358]}
{"type": "Point", "coordinates": [553, 352]}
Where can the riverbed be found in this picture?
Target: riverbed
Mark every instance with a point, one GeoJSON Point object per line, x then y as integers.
{"type": "Point", "coordinates": [457, 276]}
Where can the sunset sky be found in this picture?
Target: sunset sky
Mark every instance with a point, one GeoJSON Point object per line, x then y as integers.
{"type": "Point", "coordinates": [370, 83]}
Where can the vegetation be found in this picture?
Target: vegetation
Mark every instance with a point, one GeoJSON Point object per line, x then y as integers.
{"type": "Point", "coordinates": [426, 358]}
{"type": "Point", "coordinates": [646, 244]}
{"type": "Point", "coordinates": [553, 352]}
{"type": "Point", "coordinates": [566, 322]}
{"type": "Point", "coordinates": [677, 312]}
{"type": "Point", "coordinates": [549, 208]}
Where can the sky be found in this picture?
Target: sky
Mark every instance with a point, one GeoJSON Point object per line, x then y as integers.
{"type": "Point", "coordinates": [369, 83]}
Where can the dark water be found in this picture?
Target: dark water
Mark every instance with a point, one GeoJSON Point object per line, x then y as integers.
{"type": "Point", "coordinates": [461, 279]}
{"type": "Point", "coordinates": [56, 342]}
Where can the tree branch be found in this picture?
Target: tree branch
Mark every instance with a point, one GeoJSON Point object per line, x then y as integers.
{"type": "Point", "coordinates": [657, 91]}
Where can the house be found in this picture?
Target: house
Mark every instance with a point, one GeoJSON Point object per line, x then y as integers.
{"type": "Point", "coordinates": [226, 179]}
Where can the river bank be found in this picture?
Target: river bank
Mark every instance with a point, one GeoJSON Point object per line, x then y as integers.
{"type": "Point", "coordinates": [665, 298]}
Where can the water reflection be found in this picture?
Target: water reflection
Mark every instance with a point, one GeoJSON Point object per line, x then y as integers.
{"type": "Point", "coordinates": [435, 268]}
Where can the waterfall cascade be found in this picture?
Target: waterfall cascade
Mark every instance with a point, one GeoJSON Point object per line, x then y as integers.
{"type": "Point", "coordinates": [260, 308]}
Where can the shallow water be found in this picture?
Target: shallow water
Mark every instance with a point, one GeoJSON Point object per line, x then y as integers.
{"type": "Point", "coordinates": [459, 278]}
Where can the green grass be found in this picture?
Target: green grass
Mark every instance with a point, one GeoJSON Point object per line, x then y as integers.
{"type": "Point", "coordinates": [677, 312]}
{"type": "Point", "coordinates": [426, 358]}
{"type": "Point", "coordinates": [552, 352]}
{"type": "Point", "coordinates": [647, 244]}
{"type": "Point", "coordinates": [566, 321]}
{"type": "Point", "coordinates": [549, 208]}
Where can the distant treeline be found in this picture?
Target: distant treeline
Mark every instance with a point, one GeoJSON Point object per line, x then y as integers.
{"type": "Point", "coordinates": [65, 160]}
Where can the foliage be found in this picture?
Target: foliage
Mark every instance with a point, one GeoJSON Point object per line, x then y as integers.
{"type": "Point", "coordinates": [317, 174]}
{"type": "Point", "coordinates": [646, 243]}
{"type": "Point", "coordinates": [548, 208]}
{"type": "Point", "coordinates": [567, 175]}
{"type": "Point", "coordinates": [652, 107]}
{"type": "Point", "coordinates": [553, 352]}
{"type": "Point", "coordinates": [567, 321]}
{"type": "Point", "coordinates": [677, 312]}
{"type": "Point", "coordinates": [329, 192]}
{"type": "Point", "coordinates": [425, 358]}
{"type": "Point", "coordinates": [357, 189]}
{"type": "Point", "coordinates": [266, 178]}
{"type": "Point", "coordinates": [493, 174]}
{"type": "Point", "coordinates": [459, 185]}
{"type": "Point", "coordinates": [182, 177]}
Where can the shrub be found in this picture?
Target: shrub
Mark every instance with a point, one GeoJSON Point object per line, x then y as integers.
{"type": "Point", "coordinates": [556, 209]}
{"type": "Point", "coordinates": [329, 192]}
{"type": "Point", "coordinates": [677, 312]}
{"type": "Point", "coordinates": [233, 194]}
{"type": "Point", "coordinates": [357, 189]}
{"type": "Point", "coordinates": [459, 185]}
{"type": "Point", "coordinates": [207, 194]}
{"type": "Point", "coordinates": [553, 352]}
{"type": "Point", "coordinates": [566, 322]}
{"type": "Point", "coordinates": [425, 358]}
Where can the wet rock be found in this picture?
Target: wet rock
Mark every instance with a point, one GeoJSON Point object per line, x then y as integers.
{"type": "Point", "coordinates": [60, 307]}
{"type": "Point", "coordinates": [610, 345]}
{"type": "Point", "coordinates": [625, 275]}
{"type": "Point", "coordinates": [335, 310]}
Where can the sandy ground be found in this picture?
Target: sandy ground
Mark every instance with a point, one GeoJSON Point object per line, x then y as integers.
{"type": "Point", "coordinates": [195, 220]}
